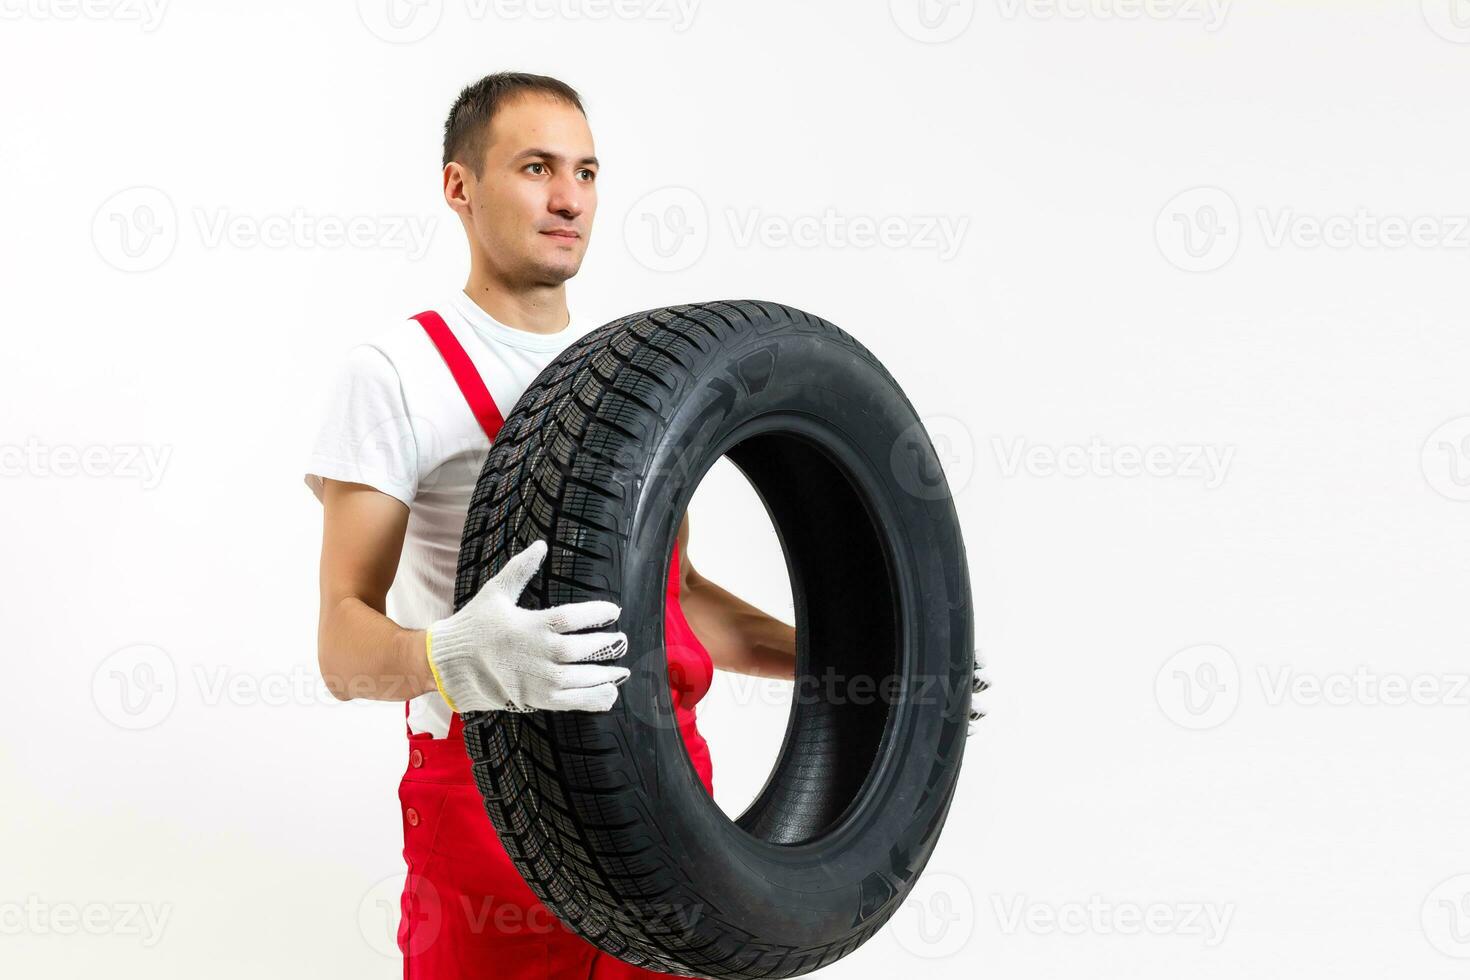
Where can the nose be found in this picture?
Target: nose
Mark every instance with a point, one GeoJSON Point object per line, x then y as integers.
{"type": "Point", "coordinates": [566, 196]}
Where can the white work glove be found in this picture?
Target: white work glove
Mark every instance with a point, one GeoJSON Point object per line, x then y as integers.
{"type": "Point", "coordinates": [494, 655]}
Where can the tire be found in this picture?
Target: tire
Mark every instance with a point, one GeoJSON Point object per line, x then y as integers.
{"type": "Point", "coordinates": [602, 812]}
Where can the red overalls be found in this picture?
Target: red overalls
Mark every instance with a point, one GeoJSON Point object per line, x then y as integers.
{"type": "Point", "coordinates": [467, 913]}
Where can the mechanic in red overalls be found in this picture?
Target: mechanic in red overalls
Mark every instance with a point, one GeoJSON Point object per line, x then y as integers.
{"type": "Point", "coordinates": [394, 465]}
{"type": "Point", "coordinates": [466, 909]}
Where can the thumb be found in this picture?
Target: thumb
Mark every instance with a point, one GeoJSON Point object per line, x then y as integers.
{"type": "Point", "coordinates": [512, 579]}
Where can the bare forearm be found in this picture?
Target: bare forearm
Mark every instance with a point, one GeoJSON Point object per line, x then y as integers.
{"type": "Point", "coordinates": [738, 636]}
{"type": "Point", "coordinates": [364, 654]}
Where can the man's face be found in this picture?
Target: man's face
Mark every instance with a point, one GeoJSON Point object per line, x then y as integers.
{"type": "Point", "coordinates": [530, 212]}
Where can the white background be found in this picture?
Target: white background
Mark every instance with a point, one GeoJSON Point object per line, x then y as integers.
{"type": "Point", "coordinates": [1142, 757]}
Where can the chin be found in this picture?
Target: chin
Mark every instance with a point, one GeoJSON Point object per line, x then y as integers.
{"type": "Point", "coordinates": [555, 273]}
{"type": "Point", "coordinates": [569, 260]}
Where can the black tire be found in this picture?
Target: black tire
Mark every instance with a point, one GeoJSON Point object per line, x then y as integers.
{"type": "Point", "coordinates": [603, 812]}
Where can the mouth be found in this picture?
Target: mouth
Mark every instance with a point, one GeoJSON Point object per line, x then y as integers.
{"type": "Point", "coordinates": [564, 234]}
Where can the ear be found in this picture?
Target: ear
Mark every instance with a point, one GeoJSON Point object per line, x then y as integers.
{"type": "Point", "coordinates": [457, 179]}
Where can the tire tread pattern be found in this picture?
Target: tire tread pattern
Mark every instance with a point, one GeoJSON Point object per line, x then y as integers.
{"type": "Point", "coordinates": [579, 826]}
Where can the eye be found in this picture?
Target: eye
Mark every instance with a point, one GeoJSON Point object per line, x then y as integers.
{"type": "Point", "coordinates": [591, 174]}
{"type": "Point", "coordinates": [541, 165]}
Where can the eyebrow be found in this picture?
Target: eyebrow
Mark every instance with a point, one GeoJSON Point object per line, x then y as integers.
{"type": "Point", "coordinates": [534, 152]}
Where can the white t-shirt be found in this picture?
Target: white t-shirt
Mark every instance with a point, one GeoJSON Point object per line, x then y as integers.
{"type": "Point", "coordinates": [397, 422]}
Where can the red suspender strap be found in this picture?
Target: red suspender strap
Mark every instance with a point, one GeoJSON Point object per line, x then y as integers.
{"type": "Point", "coordinates": [463, 369]}
{"type": "Point", "coordinates": [471, 385]}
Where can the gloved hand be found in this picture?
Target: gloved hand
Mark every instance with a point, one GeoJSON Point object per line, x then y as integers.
{"type": "Point", "coordinates": [494, 655]}
{"type": "Point", "coordinates": [979, 705]}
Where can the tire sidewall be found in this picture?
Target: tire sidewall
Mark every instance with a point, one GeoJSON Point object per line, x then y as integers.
{"type": "Point", "coordinates": [853, 877]}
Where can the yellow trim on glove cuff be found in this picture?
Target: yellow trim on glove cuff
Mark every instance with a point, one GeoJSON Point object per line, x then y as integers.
{"type": "Point", "coordinates": [438, 681]}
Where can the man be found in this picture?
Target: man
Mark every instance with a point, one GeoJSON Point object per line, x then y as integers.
{"type": "Point", "coordinates": [409, 425]}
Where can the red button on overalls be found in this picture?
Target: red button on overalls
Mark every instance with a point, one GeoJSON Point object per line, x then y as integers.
{"type": "Point", "coordinates": [467, 913]}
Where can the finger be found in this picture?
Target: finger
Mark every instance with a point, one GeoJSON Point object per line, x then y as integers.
{"type": "Point", "coordinates": [588, 647]}
{"type": "Point", "coordinates": [580, 647]}
{"type": "Point", "coordinates": [574, 676]}
{"type": "Point", "coordinates": [980, 699]}
{"type": "Point", "coordinates": [599, 698]}
{"type": "Point", "coordinates": [517, 572]}
{"type": "Point", "coordinates": [572, 616]}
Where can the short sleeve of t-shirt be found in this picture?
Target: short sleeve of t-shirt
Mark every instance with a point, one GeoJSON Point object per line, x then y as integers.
{"type": "Point", "coordinates": [366, 435]}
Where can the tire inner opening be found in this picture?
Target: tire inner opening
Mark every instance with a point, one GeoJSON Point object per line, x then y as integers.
{"type": "Point", "coordinates": [848, 638]}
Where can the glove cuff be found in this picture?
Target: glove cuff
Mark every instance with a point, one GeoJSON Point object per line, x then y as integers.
{"type": "Point", "coordinates": [429, 654]}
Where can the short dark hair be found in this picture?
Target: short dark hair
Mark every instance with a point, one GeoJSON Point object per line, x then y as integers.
{"type": "Point", "coordinates": [467, 130]}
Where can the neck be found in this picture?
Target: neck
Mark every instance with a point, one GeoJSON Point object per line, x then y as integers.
{"type": "Point", "coordinates": [538, 309]}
